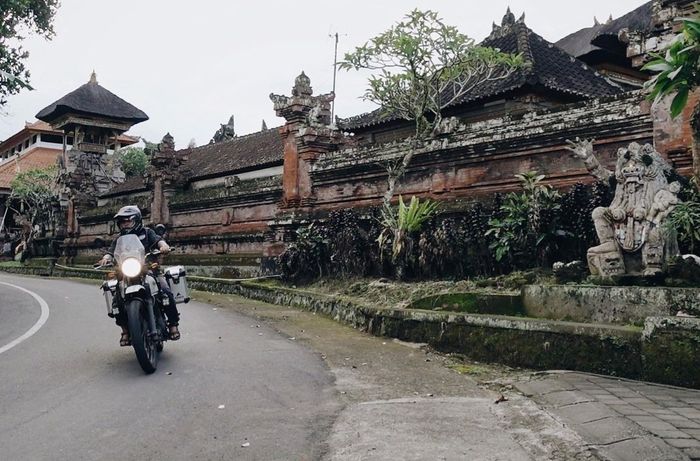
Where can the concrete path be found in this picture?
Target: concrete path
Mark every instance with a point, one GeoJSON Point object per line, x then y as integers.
{"type": "Point", "coordinates": [401, 401]}
{"type": "Point", "coordinates": [621, 419]}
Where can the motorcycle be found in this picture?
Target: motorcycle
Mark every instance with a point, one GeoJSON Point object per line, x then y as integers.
{"type": "Point", "coordinates": [135, 286]}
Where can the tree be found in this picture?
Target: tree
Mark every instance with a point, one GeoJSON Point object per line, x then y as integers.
{"type": "Point", "coordinates": [132, 161]}
{"type": "Point", "coordinates": [32, 198]}
{"type": "Point", "coordinates": [423, 66]}
{"type": "Point", "coordinates": [18, 17]}
{"type": "Point", "coordinates": [678, 72]}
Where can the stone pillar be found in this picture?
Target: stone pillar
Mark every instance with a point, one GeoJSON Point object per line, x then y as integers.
{"type": "Point", "coordinates": [164, 176]}
{"type": "Point", "coordinates": [307, 134]}
{"type": "Point", "coordinates": [676, 138]}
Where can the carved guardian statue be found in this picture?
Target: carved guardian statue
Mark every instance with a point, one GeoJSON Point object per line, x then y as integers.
{"type": "Point", "coordinates": [630, 229]}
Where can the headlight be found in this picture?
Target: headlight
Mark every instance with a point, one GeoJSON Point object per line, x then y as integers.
{"type": "Point", "coordinates": [131, 267]}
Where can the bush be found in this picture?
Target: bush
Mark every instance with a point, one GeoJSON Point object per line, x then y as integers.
{"type": "Point", "coordinates": [305, 258]}
{"type": "Point", "coordinates": [484, 240]}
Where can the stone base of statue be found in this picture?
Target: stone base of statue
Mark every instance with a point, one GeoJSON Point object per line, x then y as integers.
{"type": "Point", "coordinates": [606, 260]}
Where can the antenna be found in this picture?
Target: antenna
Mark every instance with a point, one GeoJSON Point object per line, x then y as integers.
{"type": "Point", "coordinates": [335, 72]}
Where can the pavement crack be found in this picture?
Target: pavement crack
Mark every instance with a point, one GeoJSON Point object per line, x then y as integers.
{"type": "Point", "coordinates": [608, 444]}
{"type": "Point", "coordinates": [568, 405]}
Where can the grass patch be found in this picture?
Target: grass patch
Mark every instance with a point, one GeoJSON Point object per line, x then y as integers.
{"type": "Point", "coordinates": [387, 293]}
{"type": "Point", "coordinates": [10, 264]}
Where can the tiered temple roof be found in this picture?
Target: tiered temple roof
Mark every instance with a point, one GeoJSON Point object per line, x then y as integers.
{"type": "Point", "coordinates": [545, 66]}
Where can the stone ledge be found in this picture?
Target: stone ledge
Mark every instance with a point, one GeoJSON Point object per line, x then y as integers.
{"type": "Point", "coordinates": [608, 304]}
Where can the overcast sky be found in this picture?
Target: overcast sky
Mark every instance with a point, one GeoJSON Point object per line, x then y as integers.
{"type": "Point", "coordinates": [190, 65]}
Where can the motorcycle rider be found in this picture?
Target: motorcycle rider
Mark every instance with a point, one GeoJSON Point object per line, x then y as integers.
{"type": "Point", "coordinates": [129, 221]}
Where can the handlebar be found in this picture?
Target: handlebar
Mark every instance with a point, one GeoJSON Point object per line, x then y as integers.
{"type": "Point", "coordinates": [155, 252]}
{"type": "Point", "coordinates": [101, 266]}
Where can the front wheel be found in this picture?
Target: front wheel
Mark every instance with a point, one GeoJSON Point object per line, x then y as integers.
{"type": "Point", "coordinates": [145, 347]}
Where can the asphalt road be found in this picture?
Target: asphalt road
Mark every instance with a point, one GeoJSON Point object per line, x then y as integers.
{"type": "Point", "coordinates": [70, 392]}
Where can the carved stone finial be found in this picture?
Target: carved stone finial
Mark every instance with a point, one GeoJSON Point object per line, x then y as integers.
{"type": "Point", "coordinates": [168, 143]}
{"type": "Point", "coordinates": [93, 78]}
{"type": "Point", "coordinates": [302, 86]}
{"type": "Point", "coordinates": [595, 22]}
{"type": "Point", "coordinates": [508, 18]}
{"type": "Point", "coordinates": [521, 19]}
{"type": "Point", "coordinates": [264, 126]}
{"type": "Point", "coordinates": [225, 132]}
{"type": "Point", "coordinates": [610, 19]}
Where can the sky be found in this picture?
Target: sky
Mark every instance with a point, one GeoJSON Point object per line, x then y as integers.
{"type": "Point", "coordinates": [190, 65]}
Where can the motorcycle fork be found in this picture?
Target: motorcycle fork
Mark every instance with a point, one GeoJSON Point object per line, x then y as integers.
{"type": "Point", "coordinates": [152, 318]}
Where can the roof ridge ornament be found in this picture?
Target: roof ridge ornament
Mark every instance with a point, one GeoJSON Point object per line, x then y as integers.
{"type": "Point", "coordinates": [302, 86]}
{"type": "Point", "coordinates": [508, 18]}
{"type": "Point", "coordinates": [93, 77]}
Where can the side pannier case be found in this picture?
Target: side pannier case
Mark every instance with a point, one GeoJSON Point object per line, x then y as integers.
{"type": "Point", "coordinates": [109, 287]}
{"type": "Point", "coordinates": [177, 281]}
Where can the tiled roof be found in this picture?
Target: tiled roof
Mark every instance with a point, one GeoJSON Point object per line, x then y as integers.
{"type": "Point", "coordinates": [579, 43]}
{"type": "Point", "coordinates": [243, 153]}
{"type": "Point", "coordinates": [39, 125]}
{"type": "Point", "coordinates": [33, 159]}
{"type": "Point", "coordinates": [639, 20]}
{"type": "Point", "coordinates": [545, 66]}
{"type": "Point", "coordinates": [131, 185]}
{"type": "Point", "coordinates": [264, 148]}
{"type": "Point", "coordinates": [92, 99]}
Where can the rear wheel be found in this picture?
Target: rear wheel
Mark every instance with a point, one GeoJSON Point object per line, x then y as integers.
{"type": "Point", "coordinates": [145, 347]}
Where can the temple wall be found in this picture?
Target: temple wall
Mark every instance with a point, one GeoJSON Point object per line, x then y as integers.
{"type": "Point", "coordinates": [234, 226]}
{"type": "Point", "coordinates": [482, 158]}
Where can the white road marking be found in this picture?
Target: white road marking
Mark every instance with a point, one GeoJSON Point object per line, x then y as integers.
{"type": "Point", "coordinates": [39, 323]}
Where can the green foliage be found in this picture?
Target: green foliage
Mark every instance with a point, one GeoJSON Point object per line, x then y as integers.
{"type": "Point", "coordinates": [34, 186]}
{"type": "Point", "coordinates": [399, 227]}
{"type": "Point", "coordinates": [526, 222]}
{"type": "Point", "coordinates": [132, 161]}
{"type": "Point", "coordinates": [349, 240]}
{"type": "Point", "coordinates": [677, 69]}
{"type": "Point", "coordinates": [303, 260]}
{"type": "Point", "coordinates": [33, 195]}
{"type": "Point", "coordinates": [18, 17]}
{"type": "Point", "coordinates": [422, 66]}
{"type": "Point", "coordinates": [685, 220]}
{"type": "Point", "coordinates": [533, 228]}
{"type": "Point", "coordinates": [341, 246]}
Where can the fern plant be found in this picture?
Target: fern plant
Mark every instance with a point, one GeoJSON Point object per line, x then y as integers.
{"type": "Point", "coordinates": [399, 226]}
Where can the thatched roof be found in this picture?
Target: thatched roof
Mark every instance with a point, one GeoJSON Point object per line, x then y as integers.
{"type": "Point", "coordinates": [92, 99]}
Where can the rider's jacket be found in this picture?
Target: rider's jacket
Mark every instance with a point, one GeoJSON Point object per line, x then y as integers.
{"type": "Point", "coordinates": [149, 239]}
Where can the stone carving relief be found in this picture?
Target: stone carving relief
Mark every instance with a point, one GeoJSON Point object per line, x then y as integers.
{"type": "Point", "coordinates": [630, 229]}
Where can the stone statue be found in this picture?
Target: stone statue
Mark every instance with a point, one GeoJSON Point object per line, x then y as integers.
{"type": "Point", "coordinates": [630, 229]}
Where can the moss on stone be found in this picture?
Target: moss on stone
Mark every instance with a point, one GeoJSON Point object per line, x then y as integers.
{"type": "Point", "coordinates": [475, 303]}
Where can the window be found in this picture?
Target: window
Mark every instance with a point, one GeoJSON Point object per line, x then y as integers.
{"type": "Point", "coordinates": [53, 138]}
